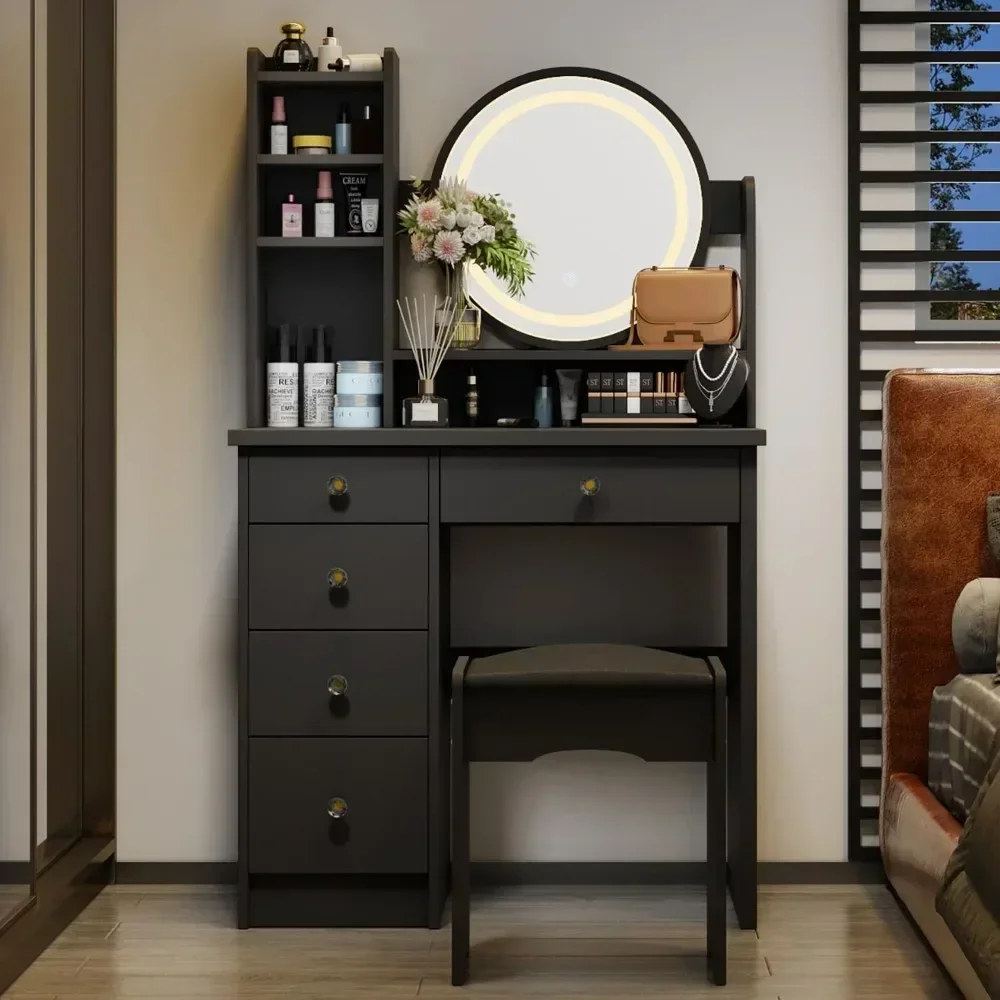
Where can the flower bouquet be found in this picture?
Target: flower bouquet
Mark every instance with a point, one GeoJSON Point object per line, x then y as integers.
{"type": "Point", "coordinates": [454, 227]}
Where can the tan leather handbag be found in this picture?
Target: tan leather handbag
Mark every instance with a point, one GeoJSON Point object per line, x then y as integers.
{"type": "Point", "coordinates": [684, 307]}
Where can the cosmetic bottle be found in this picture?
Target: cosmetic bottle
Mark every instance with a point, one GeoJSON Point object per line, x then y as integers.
{"type": "Point", "coordinates": [292, 53]}
{"type": "Point", "coordinates": [362, 62]}
{"type": "Point", "coordinates": [318, 382]}
{"type": "Point", "coordinates": [279, 128]}
{"type": "Point", "coordinates": [471, 400]}
{"type": "Point", "coordinates": [543, 402]}
{"type": "Point", "coordinates": [342, 132]}
{"type": "Point", "coordinates": [366, 132]}
{"type": "Point", "coordinates": [329, 52]}
{"type": "Point", "coordinates": [324, 205]}
{"type": "Point", "coordinates": [283, 381]}
{"type": "Point", "coordinates": [291, 218]}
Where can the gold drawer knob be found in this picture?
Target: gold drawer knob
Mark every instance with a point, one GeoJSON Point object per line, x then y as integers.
{"type": "Point", "coordinates": [336, 809]}
{"type": "Point", "coordinates": [337, 686]}
{"type": "Point", "coordinates": [336, 486]}
{"type": "Point", "coordinates": [337, 578]}
{"type": "Point", "coordinates": [590, 487]}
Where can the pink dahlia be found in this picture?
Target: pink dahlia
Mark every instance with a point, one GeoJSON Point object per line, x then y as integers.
{"type": "Point", "coordinates": [421, 248]}
{"type": "Point", "coordinates": [448, 246]}
{"type": "Point", "coordinates": [429, 214]}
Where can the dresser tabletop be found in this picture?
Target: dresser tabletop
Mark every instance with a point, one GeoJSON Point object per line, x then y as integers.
{"type": "Point", "coordinates": [500, 437]}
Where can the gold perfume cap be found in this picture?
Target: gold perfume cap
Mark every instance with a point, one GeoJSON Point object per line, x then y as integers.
{"type": "Point", "coordinates": [293, 28]}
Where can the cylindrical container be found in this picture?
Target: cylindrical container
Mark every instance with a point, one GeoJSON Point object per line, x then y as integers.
{"type": "Point", "coordinates": [357, 411]}
{"type": "Point", "coordinates": [329, 52]}
{"type": "Point", "coordinates": [315, 145]}
{"type": "Point", "coordinates": [360, 378]}
{"type": "Point", "coordinates": [324, 205]}
{"type": "Point", "coordinates": [283, 381]}
{"type": "Point", "coordinates": [279, 127]}
{"type": "Point", "coordinates": [318, 379]}
{"type": "Point", "coordinates": [342, 132]}
{"type": "Point", "coordinates": [362, 62]}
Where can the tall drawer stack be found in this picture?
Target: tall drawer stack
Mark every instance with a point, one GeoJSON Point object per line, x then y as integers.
{"type": "Point", "coordinates": [335, 707]}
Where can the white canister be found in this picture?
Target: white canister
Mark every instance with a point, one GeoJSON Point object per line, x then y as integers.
{"type": "Point", "coordinates": [359, 378]}
{"type": "Point", "coordinates": [357, 411]}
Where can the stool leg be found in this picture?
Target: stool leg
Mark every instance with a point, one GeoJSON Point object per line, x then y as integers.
{"type": "Point", "coordinates": [460, 888]}
{"type": "Point", "coordinates": [716, 839]}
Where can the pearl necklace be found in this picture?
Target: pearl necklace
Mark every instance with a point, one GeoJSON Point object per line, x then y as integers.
{"type": "Point", "coordinates": [701, 377]}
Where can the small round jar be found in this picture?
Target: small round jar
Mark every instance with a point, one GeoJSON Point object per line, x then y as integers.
{"type": "Point", "coordinates": [312, 145]}
{"type": "Point", "coordinates": [357, 411]}
{"type": "Point", "coordinates": [363, 378]}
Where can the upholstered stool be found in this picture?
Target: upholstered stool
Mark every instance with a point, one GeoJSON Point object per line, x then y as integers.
{"type": "Point", "coordinates": [530, 702]}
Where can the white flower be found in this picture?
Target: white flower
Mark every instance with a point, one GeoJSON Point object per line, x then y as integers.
{"type": "Point", "coordinates": [448, 219]}
{"type": "Point", "coordinates": [448, 247]}
{"type": "Point", "coordinates": [452, 191]}
{"type": "Point", "coordinates": [421, 248]}
{"type": "Point", "coordinates": [472, 235]}
{"type": "Point", "coordinates": [464, 218]}
{"type": "Point", "coordinates": [476, 220]}
{"type": "Point", "coordinates": [488, 233]}
{"type": "Point", "coordinates": [429, 214]}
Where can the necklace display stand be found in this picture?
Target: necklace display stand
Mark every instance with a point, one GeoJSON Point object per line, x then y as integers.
{"type": "Point", "coordinates": [714, 380]}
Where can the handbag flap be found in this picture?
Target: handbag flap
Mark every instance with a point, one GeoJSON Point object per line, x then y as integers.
{"type": "Point", "coordinates": [702, 297]}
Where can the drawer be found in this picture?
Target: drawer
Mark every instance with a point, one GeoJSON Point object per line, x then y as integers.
{"type": "Point", "coordinates": [384, 584]}
{"type": "Point", "coordinates": [380, 785]}
{"type": "Point", "coordinates": [338, 684]}
{"type": "Point", "coordinates": [339, 489]}
{"type": "Point", "coordinates": [700, 486]}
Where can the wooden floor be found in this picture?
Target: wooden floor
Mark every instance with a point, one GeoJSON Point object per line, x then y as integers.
{"type": "Point", "coordinates": [813, 944]}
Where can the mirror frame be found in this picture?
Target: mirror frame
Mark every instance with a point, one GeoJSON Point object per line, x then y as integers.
{"type": "Point", "coordinates": [630, 85]}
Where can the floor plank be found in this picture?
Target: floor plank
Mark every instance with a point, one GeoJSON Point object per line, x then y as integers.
{"type": "Point", "coordinates": [180, 943]}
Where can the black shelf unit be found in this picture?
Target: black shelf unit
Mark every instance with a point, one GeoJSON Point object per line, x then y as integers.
{"type": "Point", "coordinates": [864, 660]}
{"type": "Point", "coordinates": [348, 282]}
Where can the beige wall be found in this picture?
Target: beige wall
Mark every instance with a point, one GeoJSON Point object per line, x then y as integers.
{"type": "Point", "coordinates": [762, 86]}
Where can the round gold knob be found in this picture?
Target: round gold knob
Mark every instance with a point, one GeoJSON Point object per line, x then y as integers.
{"type": "Point", "coordinates": [590, 487]}
{"type": "Point", "coordinates": [336, 808]}
{"type": "Point", "coordinates": [337, 578]}
{"type": "Point", "coordinates": [337, 686]}
{"type": "Point", "coordinates": [336, 486]}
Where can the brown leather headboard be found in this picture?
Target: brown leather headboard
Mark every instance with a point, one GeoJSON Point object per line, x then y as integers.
{"type": "Point", "coordinates": [940, 459]}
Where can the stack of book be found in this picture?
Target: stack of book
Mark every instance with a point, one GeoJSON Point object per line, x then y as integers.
{"type": "Point", "coordinates": [636, 398]}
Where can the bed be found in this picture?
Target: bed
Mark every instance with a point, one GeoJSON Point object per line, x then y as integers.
{"type": "Point", "coordinates": [940, 462]}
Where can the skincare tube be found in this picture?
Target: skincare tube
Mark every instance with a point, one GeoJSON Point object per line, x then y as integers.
{"type": "Point", "coordinates": [569, 394]}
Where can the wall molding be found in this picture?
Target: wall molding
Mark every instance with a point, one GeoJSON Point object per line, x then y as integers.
{"type": "Point", "coordinates": [498, 873]}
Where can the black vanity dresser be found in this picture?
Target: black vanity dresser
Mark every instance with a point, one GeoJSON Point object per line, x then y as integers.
{"type": "Point", "coordinates": [369, 560]}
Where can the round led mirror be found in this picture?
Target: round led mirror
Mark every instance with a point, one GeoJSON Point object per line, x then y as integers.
{"type": "Point", "coordinates": [604, 179]}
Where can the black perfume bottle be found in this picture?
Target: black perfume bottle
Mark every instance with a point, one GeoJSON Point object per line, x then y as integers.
{"type": "Point", "coordinates": [293, 53]}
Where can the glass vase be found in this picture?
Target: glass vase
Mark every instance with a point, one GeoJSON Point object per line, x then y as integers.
{"type": "Point", "coordinates": [468, 318]}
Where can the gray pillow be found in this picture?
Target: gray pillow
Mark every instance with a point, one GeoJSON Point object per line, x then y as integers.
{"type": "Point", "coordinates": [974, 625]}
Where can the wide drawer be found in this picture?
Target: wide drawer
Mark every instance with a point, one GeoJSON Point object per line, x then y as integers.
{"type": "Point", "coordinates": [380, 572]}
{"type": "Point", "coordinates": [690, 487]}
{"type": "Point", "coordinates": [339, 489]}
{"type": "Point", "coordinates": [338, 684]}
{"type": "Point", "coordinates": [378, 788]}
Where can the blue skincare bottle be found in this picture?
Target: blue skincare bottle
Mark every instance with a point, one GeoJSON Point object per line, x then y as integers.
{"type": "Point", "coordinates": [342, 132]}
{"type": "Point", "coordinates": [543, 403]}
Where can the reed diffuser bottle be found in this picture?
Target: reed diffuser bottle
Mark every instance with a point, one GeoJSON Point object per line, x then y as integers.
{"type": "Point", "coordinates": [429, 341]}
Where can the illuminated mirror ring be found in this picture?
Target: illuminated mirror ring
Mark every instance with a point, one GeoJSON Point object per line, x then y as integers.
{"type": "Point", "coordinates": [604, 179]}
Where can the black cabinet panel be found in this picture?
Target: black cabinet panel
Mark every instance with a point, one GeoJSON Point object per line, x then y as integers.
{"type": "Point", "coordinates": [380, 786]}
{"type": "Point", "coordinates": [372, 489]}
{"type": "Point", "coordinates": [687, 486]}
{"type": "Point", "coordinates": [338, 684]}
{"type": "Point", "coordinates": [384, 581]}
